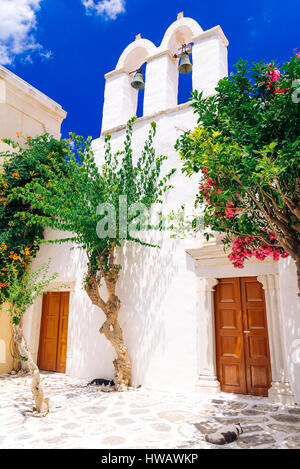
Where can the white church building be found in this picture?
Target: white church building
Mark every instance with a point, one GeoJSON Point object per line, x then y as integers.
{"type": "Point", "coordinates": [190, 319]}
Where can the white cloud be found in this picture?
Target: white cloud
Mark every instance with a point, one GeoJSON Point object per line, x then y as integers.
{"type": "Point", "coordinates": [17, 26]}
{"type": "Point", "coordinates": [108, 8]}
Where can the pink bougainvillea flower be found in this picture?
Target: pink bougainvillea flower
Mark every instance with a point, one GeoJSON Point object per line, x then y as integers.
{"type": "Point", "coordinates": [274, 75]}
{"type": "Point", "coordinates": [243, 249]}
{"type": "Point", "coordinates": [278, 91]}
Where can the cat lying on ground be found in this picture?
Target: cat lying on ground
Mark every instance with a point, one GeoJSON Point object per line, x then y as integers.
{"type": "Point", "coordinates": [225, 435]}
{"type": "Point", "coordinates": [102, 382]}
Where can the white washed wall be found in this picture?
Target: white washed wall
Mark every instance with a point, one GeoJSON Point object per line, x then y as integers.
{"type": "Point", "coordinates": [157, 288]}
{"type": "Point", "coordinates": [290, 307]}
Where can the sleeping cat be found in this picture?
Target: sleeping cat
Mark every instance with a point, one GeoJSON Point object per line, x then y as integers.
{"type": "Point", "coordinates": [225, 435]}
{"type": "Point", "coordinates": [102, 382]}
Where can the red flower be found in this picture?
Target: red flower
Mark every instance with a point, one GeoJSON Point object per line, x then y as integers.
{"type": "Point", "coordinates": [278, 91]}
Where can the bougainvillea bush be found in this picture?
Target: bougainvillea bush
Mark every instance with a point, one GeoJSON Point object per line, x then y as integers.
{"type": "Point", "coordinates": [247, 149]}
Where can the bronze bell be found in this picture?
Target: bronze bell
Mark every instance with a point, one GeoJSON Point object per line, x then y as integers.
{"type": "Point", "coordinates": [138, 81]}
{"type": "Point", "coordinates": [185, 65]}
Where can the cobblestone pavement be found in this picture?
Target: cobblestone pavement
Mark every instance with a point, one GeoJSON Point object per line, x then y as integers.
{"type": "Point", "coordinates": [86, 417]}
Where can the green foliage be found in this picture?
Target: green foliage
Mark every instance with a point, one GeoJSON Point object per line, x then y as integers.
{"type": "Point", "coordinates": [247, 147]}
{"type": "Point", "coordinates": [22, 286]}
{"type": "Point", "coordinates": [23, 359]}
{"type": "Point", "coordinates": [21, 168]}
{"type": "Point", "coordinates": [76, 187]}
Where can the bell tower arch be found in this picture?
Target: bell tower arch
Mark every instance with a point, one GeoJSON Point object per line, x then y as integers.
{"type": "Point", "coordinates": [120, 99]}
{"type": "Point", "coordinates": [209, 56]}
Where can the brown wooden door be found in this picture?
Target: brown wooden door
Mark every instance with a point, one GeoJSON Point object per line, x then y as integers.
{"type": "Point", "coordinates": [243, 357]}
{"type": "Point", "coordinates": [54, 332]}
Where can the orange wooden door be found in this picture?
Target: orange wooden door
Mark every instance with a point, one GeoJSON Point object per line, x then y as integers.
{"type": "Point", "coordinates": [229, 336]}
{"type": "Point", "coordinates": [243, 358]}
{"type": "Point", "coordinates": [257, 353]}
{"type": "Point", "coordinates": [54, 332]}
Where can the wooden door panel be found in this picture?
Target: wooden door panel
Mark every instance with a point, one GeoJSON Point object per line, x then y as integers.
{"type": "Point", "coordinates": [63, 333]}
{"type": "Point", "coordinates": [257, 354]}
{"type": "Point", "coordinates": [231, 376]}
{"type": "Point", "coordinates": [229, 336]}
{"type": "Point", "coordinates": [258, 347]}
{"type": "Point", "coordinates": [230, 347]}
{"type": "Point", "coordinates": [49, 331]}
{"type": "Point", "coordinates": [243, 356]}
{"type": "Point", "coordinates": [54, 332]}
{"type": "Point", "coordinates": [256, 319]}
{"type": "Point", "coordinates": [228, 319]}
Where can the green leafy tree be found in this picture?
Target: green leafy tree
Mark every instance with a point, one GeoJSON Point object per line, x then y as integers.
{"type": "Point", "coordinates": [246, 148]}
{"type": "Point", "coordinates": [88, 202]}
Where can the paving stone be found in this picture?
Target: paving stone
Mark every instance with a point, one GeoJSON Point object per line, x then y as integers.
{"type": "Point", "coordinates": [236, 406]}
{"type": "Point", "coordinates": [242, 420]}
{"type": "Point", "coordinates": [284, 428]}
{"type": "Point", "coordinates": [174, 416]}
{"type": "Point", "coordinates": [207, 427]}
{"type": "Point", "coordinates": [124, 421]}
{"type": "Point", "coordinates": [228, 413]}
{"type": "Point", "coordinates": [293, 442]}
{"type": "Point", "coordinates": [161, 427]}
{"type": "Point", "coordinates": [115, 414]}
{"type": "Point", "coordinates": [113, 441]}
{"type": "Point", "coordinates": [94, 410]}
{"type": "Point", "coordinates": [286, 418]}
{"type": "Point", "coordinates": [138, 411]}
{"type": "Point", "coordinates": [255, 440]}
{"type": "Point", "coordinates": [100, 429]}
{"type": "Point", "coordinates": [71, 425]}
{"type": "Point", "coordinates": [265, 408]}
{"type": "Point", "coordinates": [251, 428]}
{"type": "Point", "coordinates": [23, 436]}
{"type": "Point", "coordinates": [251, 412]}
{"type": "Point", "coordinates": [295, 410]}
{"type": "Point", "coordinates": [205, 413]}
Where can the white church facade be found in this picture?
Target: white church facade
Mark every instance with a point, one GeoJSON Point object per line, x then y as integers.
{"type": "Point", "coordinates": [190, 320]}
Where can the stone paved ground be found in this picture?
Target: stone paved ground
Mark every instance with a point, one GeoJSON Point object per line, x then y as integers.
{"type": "Point", "coordinates": [86, 417]}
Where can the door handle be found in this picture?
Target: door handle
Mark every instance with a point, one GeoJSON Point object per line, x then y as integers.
{"type": "Point", "coordinates": [247, 332]}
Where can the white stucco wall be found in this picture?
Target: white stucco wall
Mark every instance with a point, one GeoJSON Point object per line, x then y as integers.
{"type": "Point", "coordinates": [157, 288]}
{"type": "Point", "coordinates": [290, 307]}
{"type": "Point", "coordinates": [26, 110]}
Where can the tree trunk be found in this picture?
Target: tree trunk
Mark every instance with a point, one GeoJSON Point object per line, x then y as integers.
{"type": "Point", "coordinates": [113, 332]}
{"type": "Point", "coordinates": [111, 327]}
{"type": "Point", "coordinates": [41, 403]}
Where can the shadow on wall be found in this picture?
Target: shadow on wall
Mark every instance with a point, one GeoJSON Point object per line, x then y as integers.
{"type": "Point", "coordinates": [146, 276]}
{"type": "Point", "coordinates": [88, 351]}
{"type": "Point", "coordinates": [290, 304]}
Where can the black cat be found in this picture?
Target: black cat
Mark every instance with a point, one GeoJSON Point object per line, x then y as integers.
{"type": "Point", "coordinates": [102, 382]}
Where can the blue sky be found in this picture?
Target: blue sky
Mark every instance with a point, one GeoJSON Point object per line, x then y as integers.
{"type": "Point", "coordinates": [64, 47]}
